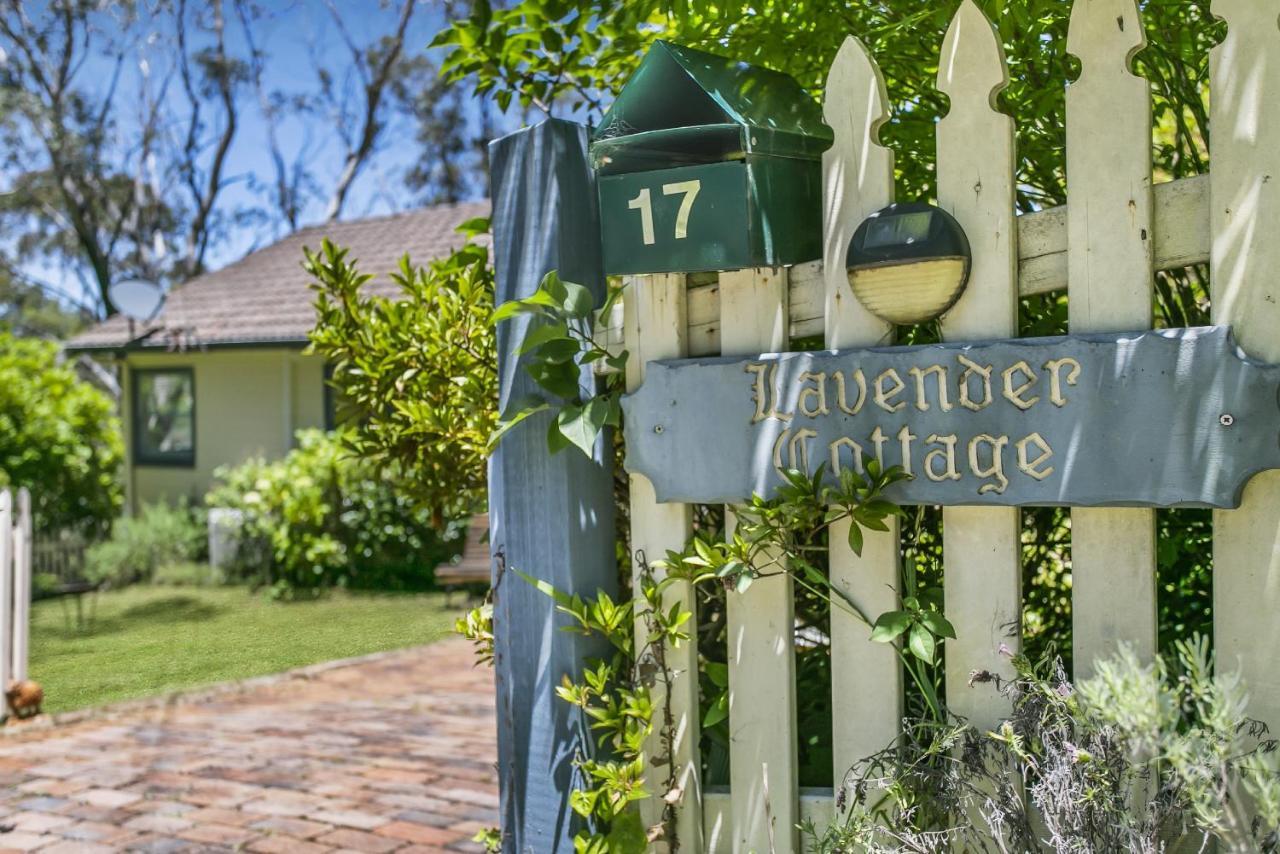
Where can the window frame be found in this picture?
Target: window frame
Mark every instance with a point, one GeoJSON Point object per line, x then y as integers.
{"type": "Point", "coordinates": [141, 456]}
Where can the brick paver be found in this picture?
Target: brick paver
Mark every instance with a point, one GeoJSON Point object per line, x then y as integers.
{"type": "Point", "coordinates": [392, 754]}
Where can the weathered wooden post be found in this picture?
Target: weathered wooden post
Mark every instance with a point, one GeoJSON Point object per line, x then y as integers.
{"type": "Point", "coordinates": [552, 516]}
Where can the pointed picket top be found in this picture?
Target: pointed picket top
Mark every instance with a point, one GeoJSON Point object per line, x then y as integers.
{"type": "Point", "coordinates": [973, 60]}
{"type": "Point", "coordinates": [1102, 32]}
{"type": "Point", "coordinates": [857, 179]}
{"type": "Point", "coordinates": [855, 101]}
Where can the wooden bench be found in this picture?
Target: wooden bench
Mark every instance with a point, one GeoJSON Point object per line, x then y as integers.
{"type": "Point", "coordinates": [474, 567]}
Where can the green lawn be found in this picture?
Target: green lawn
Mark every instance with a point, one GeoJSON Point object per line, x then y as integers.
{"type": "Point", "coordinates": [148, 640]}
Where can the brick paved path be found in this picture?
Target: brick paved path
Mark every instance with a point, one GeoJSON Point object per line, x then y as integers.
{"type": "Point", "coordinates": [394, 754]}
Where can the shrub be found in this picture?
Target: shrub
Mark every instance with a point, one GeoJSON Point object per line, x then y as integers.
{"type": "Point", "coordinates": [416, 373]}
{"type": "Point", "coordinates": [59, 436]}
{"type": "Point", "coordinates": [158, 538]}
{"type": "Point", "coordinates": [322, 518]}
{"type": "Point", "coordinates": [1138, 758]}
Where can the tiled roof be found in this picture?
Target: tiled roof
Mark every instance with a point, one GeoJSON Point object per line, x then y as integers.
{"type": "Point", "coordinates": [264, 297]}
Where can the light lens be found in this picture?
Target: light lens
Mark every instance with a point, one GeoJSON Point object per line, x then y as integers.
{"type": "Point", "coordinates": [912, 291]}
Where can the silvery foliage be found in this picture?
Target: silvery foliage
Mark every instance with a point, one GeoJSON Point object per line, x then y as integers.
{"type": "Point", "coordinates": [1142, 758]}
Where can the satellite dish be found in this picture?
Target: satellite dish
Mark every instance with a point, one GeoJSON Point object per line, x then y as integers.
{"type": "Point", "coordinates": [136, 299]}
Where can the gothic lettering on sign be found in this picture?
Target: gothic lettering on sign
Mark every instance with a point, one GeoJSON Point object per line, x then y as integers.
{"type": "Point", "coordinates": [940, 457]}
{"type": "Point", "coordinates": [1164, 418]}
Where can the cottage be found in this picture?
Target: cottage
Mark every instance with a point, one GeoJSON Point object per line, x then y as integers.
{"type": "Point", "coordinates": [220, 376]}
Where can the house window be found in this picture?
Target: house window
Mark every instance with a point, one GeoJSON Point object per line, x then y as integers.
{"type": "Point", "coordinates": [164, 417]}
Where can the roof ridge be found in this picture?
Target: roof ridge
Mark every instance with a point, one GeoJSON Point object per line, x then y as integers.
{"type": "Point", "coordinates": [387, 216]}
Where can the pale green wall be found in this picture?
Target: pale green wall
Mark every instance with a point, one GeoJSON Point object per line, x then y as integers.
{"type": "Point", "coordinates": [248, 403]}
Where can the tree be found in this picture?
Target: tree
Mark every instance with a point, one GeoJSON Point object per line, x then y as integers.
{"type": "Point", "coordinates": [59, 437]}
{"type": "Point", "coordinates": [90, 171]}
{"type": "Point", "coordinates": [118, 123]}
{"type": "Point", "coordinates": [417, 373]}
{"type": "Point", "coordinates": [29, 311]}
{"type": "Point", "coordinates": [376, 65]}
{"type": "Point", "coordinates": [571, 57]}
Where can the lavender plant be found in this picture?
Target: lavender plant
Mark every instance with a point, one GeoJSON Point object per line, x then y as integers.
{"type": "Point", "coordinates": [1137, 758]}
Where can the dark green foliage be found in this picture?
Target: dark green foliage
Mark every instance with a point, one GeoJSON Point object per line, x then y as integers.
{"type": "Point", "coordinates": [59, 437]}
{"type": "Point", "coordinates": [322, 518]}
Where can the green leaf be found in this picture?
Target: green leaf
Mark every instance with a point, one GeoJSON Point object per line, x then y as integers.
{"type": "Point", "coordinates": [937, 624]}
{"type": "Point", "coordinates": [556, 441]}
{"type": "Point", "coordinates": [582, 424]}
{"type": "Point", "coordinates": [627, 833]}
{"type": "Point", "coordinates": [716, 711]}
{"type": "Point", "coordinates": [855, 538]}
{"type": "Point", "coordinates": [559, 378]}
{"type": "Point", "coordinates": [513, 308]}
{"type": "Point", "coordinates": [921, 643]}
{"type": "Point", "coordinates": [558, 351]}
{"type": "Point", "coordinates": [890, 625]}
{"type": "Point", "coordinates": [577, 301]}
{"type": "Point", "coordinates": [517, 411]}
{"type": "Point", "coordinates": [475, 225]}
{"type": "Point", "coordinates": [562, 599]}
{"type": "Point", "coordinates": [553, 289]}
{"type": "Point", "coordinates": [614, 294]}
{"type": "Point", "coordinates": [718, 673]}
{"type": "Point", "coordinates": [544, 333]}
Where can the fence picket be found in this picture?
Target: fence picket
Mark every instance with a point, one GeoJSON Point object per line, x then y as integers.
{"type": "Point", "coordinates": [1109, 289]}
{"type": "Point", "coordinates": [22, 534]}
{"type": "Point", "coordinates": [6, 588]}
{"type": "Point", "coordinates": [657, 328]}
{"type": "Point", "coordinates": [1245, 219]}
{"type": "Point", "coordinates": [857, 180]}
{"type": "Point", "coordinates": [981, 545]}
{"type": "Point", "coordinates": [763, 764]}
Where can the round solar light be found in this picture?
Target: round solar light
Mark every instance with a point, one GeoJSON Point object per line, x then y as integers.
{"type": "Point", "coordinates": [908, 263]}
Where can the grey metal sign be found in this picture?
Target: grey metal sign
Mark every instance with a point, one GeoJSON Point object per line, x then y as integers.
{"type": "Point", "coordinates": [1170, 418]}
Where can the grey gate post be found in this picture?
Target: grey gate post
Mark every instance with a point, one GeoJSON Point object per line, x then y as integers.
{"type": "Point", "coordinates": [552, 516]}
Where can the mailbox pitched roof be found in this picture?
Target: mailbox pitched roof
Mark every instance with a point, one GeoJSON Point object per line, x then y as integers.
{"type": "Point", "coordinates": [678, 87]}
{"type": "Point", "coordinates": [264, 299]}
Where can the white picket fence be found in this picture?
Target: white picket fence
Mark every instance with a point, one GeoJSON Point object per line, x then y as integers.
{"type": "Point", "coordinates": [1102, 248]}
{"type": "Point", "coordinates": [15, 584]}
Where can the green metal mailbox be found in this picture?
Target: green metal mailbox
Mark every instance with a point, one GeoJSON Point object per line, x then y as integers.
{"type": "Point", "coordinates": [705, 163]}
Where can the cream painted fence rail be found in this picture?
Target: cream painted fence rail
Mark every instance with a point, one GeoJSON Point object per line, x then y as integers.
{"type": "Point", "coordinates": [1102, 247]}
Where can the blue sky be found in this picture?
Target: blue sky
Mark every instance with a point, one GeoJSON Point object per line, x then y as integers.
{"type": "Point", "coordinates": [292, 33]}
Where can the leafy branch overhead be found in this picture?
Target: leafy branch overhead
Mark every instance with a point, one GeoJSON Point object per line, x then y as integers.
{"type": "Point", "coordinates": [556, 348]}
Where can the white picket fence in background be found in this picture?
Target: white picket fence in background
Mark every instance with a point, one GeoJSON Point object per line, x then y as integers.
{"type": "Point", "coordinates": [15, 585]}
{"type": "Point", "coordinates": [1102, 247]}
